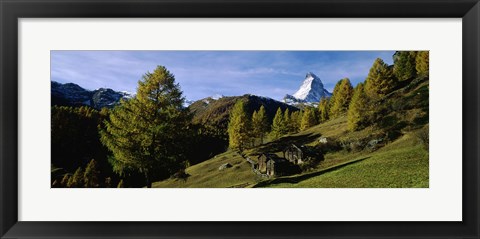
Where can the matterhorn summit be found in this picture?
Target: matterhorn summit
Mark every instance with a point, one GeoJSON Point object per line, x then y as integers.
{"type": "Point", "coordinates": [311, 91]}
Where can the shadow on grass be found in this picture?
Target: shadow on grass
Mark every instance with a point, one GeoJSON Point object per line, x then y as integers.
{"type": "Point", "coordinates": [181, 176]}
{"type": "Point", "coordinates": [297, 179]}
{"type": "Point", "coordinates": [282, 143]}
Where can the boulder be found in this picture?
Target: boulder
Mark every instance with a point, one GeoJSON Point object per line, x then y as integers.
{"type": "Point", "coordinates": [374, 144]}
{"type": "Point", "coordinates": [323, 140]}
{"type": "Point", "coordinates": [224, 166]}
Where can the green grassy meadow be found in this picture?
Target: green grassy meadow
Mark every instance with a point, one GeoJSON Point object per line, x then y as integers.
{"type": "Point", "coordinates": [207, 174]}
{"type": "Point", "coordinates": [402, 163]}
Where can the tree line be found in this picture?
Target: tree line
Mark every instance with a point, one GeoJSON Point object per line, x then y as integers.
{"type": "Point", "coordinates": [151, 136]}
{"type": "Point", "coordinates": [246, 130]}
{"type": "Point", "coordinates": [361, 105]}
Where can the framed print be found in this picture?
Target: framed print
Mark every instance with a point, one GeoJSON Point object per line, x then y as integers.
{"type": "Point", "coordinates": [239, 119]}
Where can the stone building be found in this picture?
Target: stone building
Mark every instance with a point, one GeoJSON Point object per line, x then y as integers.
{"type": "Point", "coordinates": [272, 165]}
{"type": "Point", "coordinates": [294, 154]}
{"type": "Point", "coordinates": [299, 155]}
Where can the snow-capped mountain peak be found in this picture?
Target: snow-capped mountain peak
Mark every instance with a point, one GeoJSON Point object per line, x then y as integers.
{"type": "Point", "coordinates": [310, 85]}
{"type": "Point", "coordinates": [311, 91]}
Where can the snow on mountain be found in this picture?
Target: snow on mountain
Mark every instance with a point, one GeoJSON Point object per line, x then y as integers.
{"type": "Point", "coordinates": [73, 94]}
{"type": "Point", "coordinates": [311, 91]}
{"type": "Point", "coordinates": [187, 103]}
{"type": "Point", "coordinates": [217, 96]}
{"type": "Point", "coordinates": [207, 100]}
{"type": "Point", "coordinates": [127, 94]}
{"type": "Point", "coordinates": [105, 97]}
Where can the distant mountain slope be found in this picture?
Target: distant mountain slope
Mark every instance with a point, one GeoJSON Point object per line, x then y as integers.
{"type": "Point", "coordinates": [73, 95]}
{"type": "Point", "coordinates": [311, 91]}
{"type": "Point", "coordinates": [216, 112]}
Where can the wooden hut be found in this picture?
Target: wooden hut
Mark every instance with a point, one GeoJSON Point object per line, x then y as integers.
{"type": "Point", "coordinates": [299, 155]}
{"type": "Point", "coordinates": [272, 165]}
{"type": "Point", "coordinates": [293, 154]}
{"type": "Point", "coordinates": [277, 167]}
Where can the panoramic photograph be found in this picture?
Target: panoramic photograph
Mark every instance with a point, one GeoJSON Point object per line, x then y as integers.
{"type": "Point", "coordinates": [239, 119]}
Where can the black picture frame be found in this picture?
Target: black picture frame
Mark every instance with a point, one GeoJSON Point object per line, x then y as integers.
{"type": "Point", "coordinates": [12, 10]}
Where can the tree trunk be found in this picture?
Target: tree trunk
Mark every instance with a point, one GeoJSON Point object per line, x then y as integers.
{"type": "Point", "coordinates": [147, 180]}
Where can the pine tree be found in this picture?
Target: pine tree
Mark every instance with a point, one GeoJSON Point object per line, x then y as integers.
{"type": "Point", "coordinates": [380, 80]}
{"type": "Point", "coordinates": [300, 118]}
{"type": "Point", "coordinates": [76, 181]}
{"type": "Point", "coordinates": [358, 109]}
{"type": "Point", "coordinates": [146, 133]}
{"type": "Point", "coordinates": [65, 180]}
{"type": "Point", "coordinates": [295, 121]}
{"type": "Point", "coordinates": [342, 94]}
{"type": "Point", "coordinates": [422, 63]}
{"type": "Point", "coordinates": [91, 175]}
{"type": "Point", "coordinates": [287, 121]}
{"type": "Point", "coordinates": [308, 119]}
{"type": "Point", "coordinates": [404, 65]}
{"type": "Point", "coordinates": [323, 108]}
{"type": "Point", "coordinates": [239, 127]}
{"type": "Point", "coordinates": [265, 126]}
{"type": "Point", "coordinates": [255, 129]}
{"type": "Point", "coordinates": [278, 125]}
{"type": "Point", "coordinates": [260, 123]}
{"type": "Point", "coordinates": [74, 132]}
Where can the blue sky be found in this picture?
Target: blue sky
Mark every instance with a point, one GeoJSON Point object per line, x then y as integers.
{"type": "Point", "coordinates": [206, 73]}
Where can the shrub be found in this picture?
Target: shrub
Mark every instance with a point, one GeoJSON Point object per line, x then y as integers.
{"type": "Point", "coordinates": [108, 182]}
{"type": "Point", "coordinates": [314, 161]}
{"type": "Point", "coordinates": [181, 175]}
{"type": "Point", "coordinates": [352, 145]}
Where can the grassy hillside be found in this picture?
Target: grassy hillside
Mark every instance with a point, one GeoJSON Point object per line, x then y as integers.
{"type": "Point", "coordinates": [208, 175]}
{"type": "Point", "coordinates": [386, 155]}
{"type": "Point", "coordinates": [401, 163]}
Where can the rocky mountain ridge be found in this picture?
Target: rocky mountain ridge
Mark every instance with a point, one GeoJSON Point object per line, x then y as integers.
{"type": "Point", "coordinates": [71, 94]}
